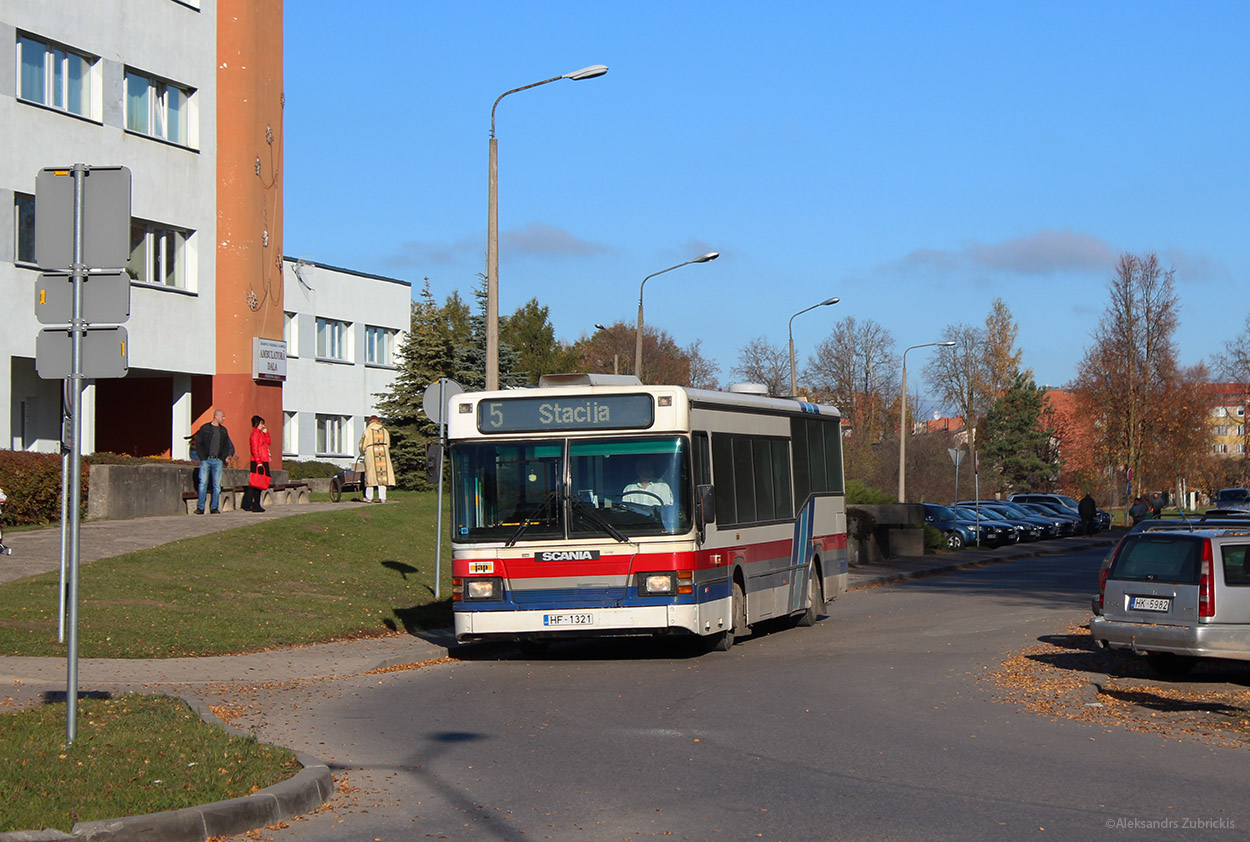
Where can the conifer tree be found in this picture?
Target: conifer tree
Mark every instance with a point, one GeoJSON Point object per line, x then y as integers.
{"type": "Point", "coordinates": [424, 356]}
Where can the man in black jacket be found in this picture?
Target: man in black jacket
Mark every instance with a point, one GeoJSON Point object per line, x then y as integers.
{"type": "Point", "coordinates": [1087, 509]}
{"type": "Point", "coordinates": [213, 447]}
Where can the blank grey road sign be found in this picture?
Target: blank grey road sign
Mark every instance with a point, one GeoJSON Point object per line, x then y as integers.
{"type": "Point", "coordinates": [105, 218]}
{"type": "Point", "coordinates": [105, 298]}
{"type": "Point", "coordinates": [103, 353]}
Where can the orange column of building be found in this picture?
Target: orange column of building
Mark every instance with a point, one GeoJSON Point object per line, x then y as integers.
{"type": "Point", "coordinates": [249, 214]}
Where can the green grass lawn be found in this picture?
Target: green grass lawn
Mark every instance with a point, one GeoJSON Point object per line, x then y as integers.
{"type": "Point", "coordinates": [362, 571]}
{"type": "Point", "coordinates": [134, 754]}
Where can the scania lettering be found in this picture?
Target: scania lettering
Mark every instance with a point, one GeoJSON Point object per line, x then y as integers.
{"type": "Point", "coordinates": [594, 505]}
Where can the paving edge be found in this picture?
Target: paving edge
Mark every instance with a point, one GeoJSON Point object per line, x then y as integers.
{"type": "Point", "coordinates": [303, 793]}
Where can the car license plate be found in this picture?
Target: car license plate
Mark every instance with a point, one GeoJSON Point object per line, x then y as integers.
{"type": "Point", "coordinates": [568, 619]}
{"type": "Point", "coordinates": [1150, 603]}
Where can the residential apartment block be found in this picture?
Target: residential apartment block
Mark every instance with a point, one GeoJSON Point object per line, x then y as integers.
{"type": "Point", "coordinates": [187, 94]}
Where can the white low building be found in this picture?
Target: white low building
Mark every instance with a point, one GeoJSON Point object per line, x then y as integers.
{"type": "Point", "coordinates": [342, 331]}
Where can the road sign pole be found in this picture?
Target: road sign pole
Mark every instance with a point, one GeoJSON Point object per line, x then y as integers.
{"type": "Point", "coordinates": [442, 446]}
{"type": "Point", "coordinates": [75, 462]}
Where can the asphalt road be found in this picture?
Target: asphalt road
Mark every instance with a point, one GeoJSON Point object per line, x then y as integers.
{"type": "Point", "coordinates": [878, 723]}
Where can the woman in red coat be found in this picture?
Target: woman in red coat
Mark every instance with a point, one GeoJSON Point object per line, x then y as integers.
{"type": "Point", "coordinates": [260, 462]}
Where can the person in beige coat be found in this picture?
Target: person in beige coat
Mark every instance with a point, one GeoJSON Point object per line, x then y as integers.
{"type": "Point", "coordinates": [375, 451]}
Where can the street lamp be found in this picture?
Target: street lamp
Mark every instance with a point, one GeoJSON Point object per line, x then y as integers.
{"type": "Point", "coordinates": [794, 386]}
{"type": "Point", "coordinates": [492, 227]}
{"type": "Point", "coordinates": [902, 419]}
{"type": "Point", "coordinates": [703, 258]}
{"type": "Point", "coordinates": [616, 358]}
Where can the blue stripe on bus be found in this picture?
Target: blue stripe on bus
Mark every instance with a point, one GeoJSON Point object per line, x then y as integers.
{"type": "Point", "coordinates": [564, 599]}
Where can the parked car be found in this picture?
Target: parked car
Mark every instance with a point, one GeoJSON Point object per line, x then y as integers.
{"type": "Point", "coordinates": [1177, 595]}
{"type": "Point", "coordinates": [1102, 519]}
{"type": "Point", "coordinates": [958, 533]}
{"type": "Point", "coordinates": [1067, 523]}
{"type": "Point", "coordinates": [1232, 497]}
{"type": "Point", "coordinates": [994, 531]}
{"type": "Point", "coordinates": [1033, 527]}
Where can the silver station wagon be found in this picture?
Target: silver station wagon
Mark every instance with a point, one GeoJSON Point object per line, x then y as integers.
{"type": "Point", "coordinates": [1177, 595]}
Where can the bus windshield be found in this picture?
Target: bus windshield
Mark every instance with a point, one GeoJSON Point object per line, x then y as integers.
{"type": "Point", "coordinates": [573, 488]}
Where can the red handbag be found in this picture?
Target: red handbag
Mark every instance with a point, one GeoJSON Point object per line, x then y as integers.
{"type": "Point", "coordinates": [258, 480]}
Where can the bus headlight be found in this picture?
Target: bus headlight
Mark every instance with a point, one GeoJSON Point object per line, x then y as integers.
{"type": "Point", "coordinates": [483, 589]}
{"type": "Point", "coordinates": [657, 583]}
{"type": "Point", "coordinates": [666, 584]}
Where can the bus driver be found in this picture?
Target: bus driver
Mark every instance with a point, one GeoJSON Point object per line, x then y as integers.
{"type": "Point", "coordinates": [647, 491]}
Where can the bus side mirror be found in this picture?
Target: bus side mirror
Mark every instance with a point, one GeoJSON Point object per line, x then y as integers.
{"type": "Point", "coordinates": [704, 506]}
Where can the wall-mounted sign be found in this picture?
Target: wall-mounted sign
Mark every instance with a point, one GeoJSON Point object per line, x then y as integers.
{"type": "Point", "coordinates": [268, 359]}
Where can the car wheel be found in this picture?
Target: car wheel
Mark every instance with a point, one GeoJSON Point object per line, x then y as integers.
{"type": "Point", "coordinates": [723, 641]}
{"type": "Point", "coordinates": [955, 541]}
{"type": "Point", "coordinates": [1166, 663]}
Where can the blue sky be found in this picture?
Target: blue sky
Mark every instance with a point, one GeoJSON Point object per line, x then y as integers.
{"type": "Point", "coordinates": [915, 159]}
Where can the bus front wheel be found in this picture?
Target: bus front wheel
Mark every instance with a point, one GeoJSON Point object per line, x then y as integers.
{"type": "Point", "coordinates": [815, 597]}
{"type": "Point", "coordinates": [737, 622]}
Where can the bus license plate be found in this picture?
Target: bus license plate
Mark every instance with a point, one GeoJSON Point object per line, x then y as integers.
{"type": "Point", "coordinates": [1150, 603]}
{"type": "Point", "coordinates": [568, 619]}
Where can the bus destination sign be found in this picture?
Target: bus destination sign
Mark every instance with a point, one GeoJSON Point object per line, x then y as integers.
{"type": "Point", "coordinates": [533, 415]}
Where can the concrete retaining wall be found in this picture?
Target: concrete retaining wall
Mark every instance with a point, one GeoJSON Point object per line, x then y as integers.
{"type": "Point", "coordinates": [119, 492]}
{"type": "Point", "coordinates": [879, 532]}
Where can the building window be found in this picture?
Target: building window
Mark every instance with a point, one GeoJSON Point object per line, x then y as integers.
{"type": "Point", "coordinates": [1241, 448]}
{"type": "Point", "coordinates": [23, 228]}
{"type": "Point", "coordinates": [54, 76]}
{"type": "Point", "coordinates": [157, 108]}
{"type": "Point", "coordinates": [1220, 429]}
{"type": "Point", "coordinates": [1241, 412]}
{"type": "Point", "coordinates": [332, 339]}
{"type": "Point", "coordinates": [379, 345]}
{"type": "Point", "coordinates": [290, 444]}
{"type": "Point", "coordinates": [158, 254]}
{"type": "Point", "coordinates": [290, 334]}
{"type": "Point", "coordinates": [1218, 412]}
{"type": "Point", "coordinates": [1240, 430]}
{"type": "Point", "coordinates": [332, 435]}
{"type": "Point", "coordinates": [1219, 448]}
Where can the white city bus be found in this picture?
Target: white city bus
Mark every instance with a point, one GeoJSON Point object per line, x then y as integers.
{"type": "Point", "coordinates": [594, 505]}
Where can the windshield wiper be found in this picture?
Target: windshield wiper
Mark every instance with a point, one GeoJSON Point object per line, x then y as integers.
{"type": "Point", "coordinates": [531, 517]}
{"type": "Point", "coordinates": [588, 511]}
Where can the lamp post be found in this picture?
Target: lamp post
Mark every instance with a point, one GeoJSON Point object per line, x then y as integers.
{"type": "Point", "coordinates": [794, 386]}
{"type": "Point", "coordinates": [902, 419]}
{"type": "Point", "coordinates": [492, 227]}
{"type": "Point", "coordinates": [703, 258]}
{"type": "Point", "coordinates": [616, 358]}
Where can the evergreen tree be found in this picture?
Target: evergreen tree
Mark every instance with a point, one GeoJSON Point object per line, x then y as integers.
{"type": "Point", "coordinates": [530, 331]}
{"type": "Point", "coordinates": [469, 355]}
{"type": "Point", "coordinates": [424, 356]}
{"type": "Point", "coordinates": [1017, 436]}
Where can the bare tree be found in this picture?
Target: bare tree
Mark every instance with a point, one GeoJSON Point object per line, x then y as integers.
{"type": "Point", "coordinates": [760, 361]}
{"type": "Point", "coordinates": [1127, 371]}
{"type": "Point", "coordinates": [960, 374]}
{"type": "Point", "coordinates": [856, 367]}
{"type": "Point", "coordinates": [1234, 363]}
{"type": "Point", "coordinates": [703, 372]}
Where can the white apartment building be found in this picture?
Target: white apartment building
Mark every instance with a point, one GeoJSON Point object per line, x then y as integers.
{"type": "Point", "coordinates": [342, 329]}
{"type": "Point", "coordinates": [112, 82]}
